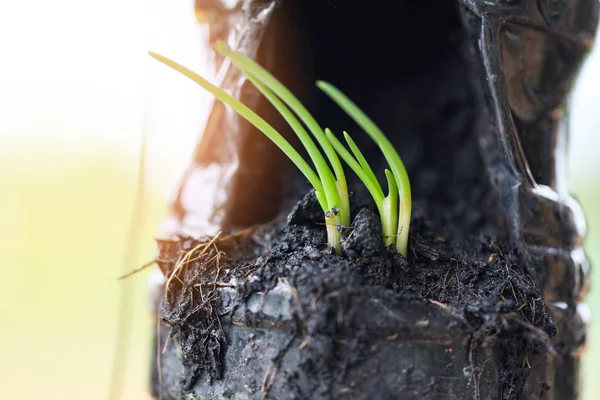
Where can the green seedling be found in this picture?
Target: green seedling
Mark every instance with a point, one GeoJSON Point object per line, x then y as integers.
{"type": "Point", "coordinates": [330, 186]}
{"type": "Point", "coordinates": [386, 205]}
{"type": "Point", "coordinates": [331, 191]}
{"type": "Point", "coordinates": [398, 174]}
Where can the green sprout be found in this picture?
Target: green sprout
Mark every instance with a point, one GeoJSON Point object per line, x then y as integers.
{"type": "Point", "coordinates": [330, 186]}
{"type": "Point", "coordinates": [399, 174]}
{"type": "Point", "coordinates": [331, 193]}
{"type": "Point", "coordinates": [388, 205]}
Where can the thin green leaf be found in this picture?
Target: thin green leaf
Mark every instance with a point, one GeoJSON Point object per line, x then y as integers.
{"type": "Point", "coordinates": [323, 170]}
{"type": "Point", "coordinates": [372, 186]}
{"type": "Point", "coordinates": [251, 68]}
{"type": "Point", "coordinates": [361, 159]}
{"type": "Point", "coordinates": [255, 120]}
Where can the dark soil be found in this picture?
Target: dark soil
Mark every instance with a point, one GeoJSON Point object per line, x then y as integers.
{"type": "Point", "coordinates": [484, 289]}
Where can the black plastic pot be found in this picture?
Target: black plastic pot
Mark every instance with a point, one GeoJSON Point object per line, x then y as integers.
{"type": "Point", "coordinates": [477, 110]}
{"type": "Point", "coordinates": [416, 350]}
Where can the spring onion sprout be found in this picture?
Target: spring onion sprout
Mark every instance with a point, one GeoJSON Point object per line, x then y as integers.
{"type": "Point", "coordinates": [398, 171]}
{"type": "Point", "coordinates": [331, 193]}
{"type": "Point", "coordinates": [329, 180]}
{"type": "Point", "coordinates": [386, 205]}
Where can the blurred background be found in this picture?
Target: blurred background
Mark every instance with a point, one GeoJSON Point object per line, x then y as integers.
{"type": "Point", "coordinates": [76, 87]}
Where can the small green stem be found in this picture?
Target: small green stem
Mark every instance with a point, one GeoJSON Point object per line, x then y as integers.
{"type": "Point", "coordinates": [334, 234]}
{"type": "Point", "coordinates": [390, 154]}
{"type": "Point", "coordinates": [361, 159]}
{"type": "Point", "coordinates": [323, 170]}
{"type": "Point", "coordinates": [389, 216]}
{"type": "Point", "coordinates": [367, 179]}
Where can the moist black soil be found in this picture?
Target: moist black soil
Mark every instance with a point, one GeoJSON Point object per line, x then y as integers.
{"type": "Point", "coordinates": [484, 288]}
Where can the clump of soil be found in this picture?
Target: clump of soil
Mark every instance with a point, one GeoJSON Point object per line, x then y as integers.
{"type": "Point", "coordinates": [194, 270]}
{"type": "Point", "coordinates": [485, 289]}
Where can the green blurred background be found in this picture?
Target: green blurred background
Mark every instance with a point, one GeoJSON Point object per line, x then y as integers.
{"type": "Point", "coordinates": [71, 117]}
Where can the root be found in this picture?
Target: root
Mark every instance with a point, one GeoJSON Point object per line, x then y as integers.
{"type": "Point", "coordinates": [187, 259]}
{"type": "Point", "coordinates": [135, 271]}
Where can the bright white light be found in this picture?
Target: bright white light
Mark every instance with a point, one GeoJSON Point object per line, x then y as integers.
{"type": "Point", "coordinates": [75, 74]}
{"type": "Point", "coordinates": [584, 160]}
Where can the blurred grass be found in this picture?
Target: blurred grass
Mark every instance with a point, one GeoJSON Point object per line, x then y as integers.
{"type": "Point", "coordinates": [64, 222]}
{"type": "Point", "coordinates": [588, 193]}
{"type": "Point", "coordinates": [63, 226]}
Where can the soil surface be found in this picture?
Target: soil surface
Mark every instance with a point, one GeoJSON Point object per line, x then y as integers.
{"type": "Point", "coordinates": [484, 289]}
